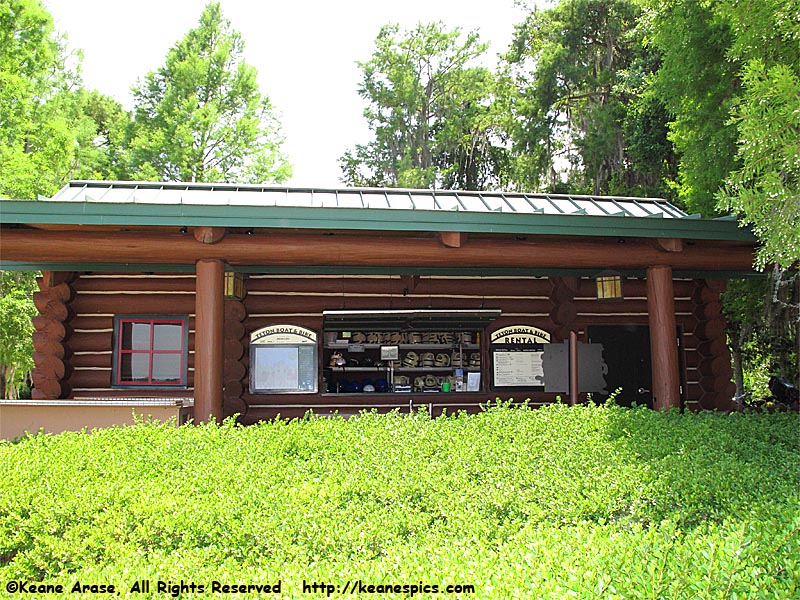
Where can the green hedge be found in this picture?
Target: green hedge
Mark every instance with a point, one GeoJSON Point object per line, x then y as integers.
{"type": "Point", "coordinates": [586, 502]}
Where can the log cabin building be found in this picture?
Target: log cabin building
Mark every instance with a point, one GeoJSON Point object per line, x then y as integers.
{"type": "Point", "coordinates": [210, 300]}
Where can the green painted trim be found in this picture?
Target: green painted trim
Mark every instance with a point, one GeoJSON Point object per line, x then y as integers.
{"type": "Point", "coordinates": [6, 265]}
{"type": "Point", "coordinates": [371, 219]}
{"type": "Point", "coordinates": [362, 270]}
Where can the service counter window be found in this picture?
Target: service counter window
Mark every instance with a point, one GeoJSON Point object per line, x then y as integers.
{"type": "Point", "coordinates": [404, 350]}
{"type": "Point", "coordinates": [150, 351]}
{"type": "Point", "coordinates": [402, 361]}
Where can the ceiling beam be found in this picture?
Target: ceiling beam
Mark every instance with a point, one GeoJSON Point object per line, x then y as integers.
{"type": "Point", "coordinates": [320, 250]}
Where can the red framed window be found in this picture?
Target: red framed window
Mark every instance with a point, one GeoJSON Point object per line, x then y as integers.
{"type": "Point", "coordinates": [150, 351]}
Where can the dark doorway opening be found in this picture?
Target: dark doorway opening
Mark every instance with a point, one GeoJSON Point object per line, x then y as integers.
{"type": "Point", "coordinates": [626, 350]}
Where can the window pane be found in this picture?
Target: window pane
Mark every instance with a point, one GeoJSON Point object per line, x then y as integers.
{"type": "Point", "coordinates": [134, 367]}
{"type": "Point", "coordinates": [167, 336]}
{"type": "Point", "coordinates": [135, 336]}
{"type": "Point", "coordinates": [166, 368]}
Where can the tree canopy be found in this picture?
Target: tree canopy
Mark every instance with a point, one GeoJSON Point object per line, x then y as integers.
{"type": "Point", "coordinates": [201, 116]}
{"type": "Point", "coordinates": [16, 330]}
{"type": "Point", "coordinates": [765, 187]}
{"type": "Point", "coordinates": [48, 134]}
{"type": "Point", "coordinates": [430, 109]}
{"type": "Point", "coordinates": [577, 75]}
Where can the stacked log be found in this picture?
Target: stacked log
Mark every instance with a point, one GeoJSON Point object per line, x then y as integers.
{"type": "Point", "coordinates": [50, 333]}
{"type": "Point", "coordinates": [714, 366]}
{"type": "Point", "coordinates": [564, 311]}
{"type": "Point", "coordinates": [233, 371]}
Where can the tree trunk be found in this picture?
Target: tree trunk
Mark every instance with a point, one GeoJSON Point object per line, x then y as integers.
{"type": "Point", "coordinates": [797, 323]}
{"type": "Point", "coordinates": [7, 388]}
{"type": "Point", "coordinates": [13, 391]}
{"type": "Point", "coordinates": [738, 371]}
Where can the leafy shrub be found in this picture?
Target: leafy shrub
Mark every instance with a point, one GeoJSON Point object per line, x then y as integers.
{"type": "Point", "coordinates": [558, 502]}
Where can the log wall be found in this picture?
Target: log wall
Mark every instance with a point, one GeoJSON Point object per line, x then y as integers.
{"type": "Point", "coordinates": [556, 305]}
{"type": "Point", "coordinates": [51, 333]}
{"type": "Point", "coordinates": [97, 299]}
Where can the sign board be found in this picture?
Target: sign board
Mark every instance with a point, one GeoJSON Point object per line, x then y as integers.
{"type": "Point", "coordinates": [390, 352]}
{"type": "Point", "coordinates": [283, 334]}
{"type": "Point", "coordinates": [592, 368]}
{"type": "Point", "coordinates": [283, 360]}
{"type": "Point", "coordinates": [473, 381]}
{"type": "Point", "coordinates": [518, 369]}
{"type": "Point", "coordinates": [517, 356]}
{"type": "Point", "coordinates": [520, 334]}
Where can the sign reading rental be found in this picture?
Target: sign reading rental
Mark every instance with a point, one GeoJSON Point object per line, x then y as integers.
{"type": "Point", "coordinates": [520, 334]}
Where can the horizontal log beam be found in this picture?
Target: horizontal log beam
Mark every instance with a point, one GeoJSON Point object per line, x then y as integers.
{"type": "Point", "coordinates": [287, 304]}
{"type": "Point", "coordinates": [83, 361]}
{"type": "Point", "coordinates": [131, 393]}
{"type": "Point", "coordinates": [135, 284]}
{"type": "Point", "coordinates": [102, 379]}
{"type": "Point", "coordinates": [141, 304]}
{"type": "Point", "coordinates": [425, 286]}
{"type": "Point", "coordinates": [581, 322]}
{"type": "Point", "coordinates": [100, 341]}
{"type": "Point", "coordinates": [346, 250]}
{"type": "Point", "coordinates": [82, 323]}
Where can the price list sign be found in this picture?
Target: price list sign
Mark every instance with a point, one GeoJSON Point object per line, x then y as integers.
{"type": "Point", "coordinates": [517, 356]}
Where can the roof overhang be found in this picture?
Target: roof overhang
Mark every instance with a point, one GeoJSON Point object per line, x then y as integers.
{"type": "Point", "coordinates": [170, 204]}
{"type": "Point", "coordinates": [367, 219]}
{"type": "Point", "coordinates": [100, 226]}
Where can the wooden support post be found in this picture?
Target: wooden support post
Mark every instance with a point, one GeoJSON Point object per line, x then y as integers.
{"type": "Point", "coordinates": [208, 345]}
{"type": "Point", "coordinates": [573, 368]}
{"type": "Point", "coordinates": [663, 343]}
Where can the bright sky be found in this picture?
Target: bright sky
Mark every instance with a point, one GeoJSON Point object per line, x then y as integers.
{"type": "Point", "coordinates": [305, 53]}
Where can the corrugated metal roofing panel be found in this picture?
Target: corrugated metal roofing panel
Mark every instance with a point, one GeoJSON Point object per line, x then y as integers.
{"type": "Point", "coordinates": [191, 197]}
{"type": "Point", "coordinates": [422, 201]}
{"type": "Point", "coordinates": [221, 194]}
{"type": "Point", "coordinates": [397, 201]}
{"type": "Point", "coordinates": [590, 207]}
{"type": "Point", "coordinates": [376, 200]}
{"type": "Point", "coordinates": [284, 198]}
{"type": "Point", "coordinates": [472, 203]}
{"type": "Point", "coordinates": [247, 197]}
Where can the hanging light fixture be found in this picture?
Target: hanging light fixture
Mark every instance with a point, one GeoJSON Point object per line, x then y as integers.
{"type": "Point", "coordinates": [234, 285]}
{"type": "Point", "coordinates": [609, 286]}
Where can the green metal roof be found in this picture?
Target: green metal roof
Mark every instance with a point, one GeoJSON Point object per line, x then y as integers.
{"type": "Point", "coordinates": [375, 209]}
